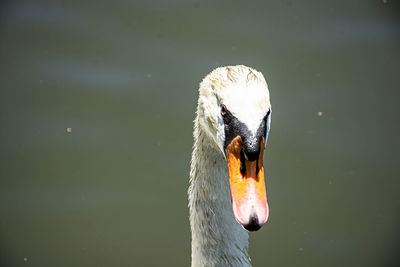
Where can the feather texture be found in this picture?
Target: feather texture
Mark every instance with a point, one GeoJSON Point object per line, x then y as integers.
{"type": "Point", "coordinates": [217, 238]}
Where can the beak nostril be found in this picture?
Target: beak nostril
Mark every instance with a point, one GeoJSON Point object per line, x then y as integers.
{"type": "Point", "coordinates": [242, 163]}
{"type": "Point", "coordinates": [257, 168]}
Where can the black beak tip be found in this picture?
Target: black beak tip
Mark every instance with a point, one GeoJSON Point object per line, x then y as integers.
{"type": "Point", "coordinates": [253, 224]}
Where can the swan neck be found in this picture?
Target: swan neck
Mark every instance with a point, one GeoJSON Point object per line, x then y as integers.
{"type": "Point", "coordinates": [217, 238]}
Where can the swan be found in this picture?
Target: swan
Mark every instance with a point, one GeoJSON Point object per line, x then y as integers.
{"type": "Point", "coordinates": [227, 194]}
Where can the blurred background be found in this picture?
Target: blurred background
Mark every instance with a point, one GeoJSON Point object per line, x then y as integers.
{"type": "Point", "coordinates": [97, 100]}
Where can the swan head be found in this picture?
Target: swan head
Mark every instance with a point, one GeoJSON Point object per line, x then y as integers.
{"type": "Point", "coordinates": [235, 112]}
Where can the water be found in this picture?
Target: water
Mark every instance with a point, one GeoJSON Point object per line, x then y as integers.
{"type": "Point", "coordinates": [123, 76]}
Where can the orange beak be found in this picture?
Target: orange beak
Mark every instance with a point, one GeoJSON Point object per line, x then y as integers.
{"type": "Point", "coordinates": [249, 196]}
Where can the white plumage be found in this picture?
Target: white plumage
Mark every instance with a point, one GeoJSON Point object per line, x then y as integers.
{"type": "Point", "coordinates": [217, 238]}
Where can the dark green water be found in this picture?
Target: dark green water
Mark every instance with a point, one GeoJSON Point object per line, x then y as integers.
{"type": "Point", "coordinates": [123, 75]}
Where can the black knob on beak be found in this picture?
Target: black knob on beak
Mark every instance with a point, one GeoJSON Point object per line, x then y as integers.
{"type": "Point", "coordinates": [251, 149]}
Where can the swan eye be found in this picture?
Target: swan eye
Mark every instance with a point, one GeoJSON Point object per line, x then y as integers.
{"type": "Point", "coordinates": [266, 116]}
{"type": "Point", "coordinates": [224, 110]}
{"type": "Point", "coordinates": [264, 127]}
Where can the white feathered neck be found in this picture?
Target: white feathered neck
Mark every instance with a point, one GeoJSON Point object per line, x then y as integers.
{"type": "Point", "coordinates": [217, 238]}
